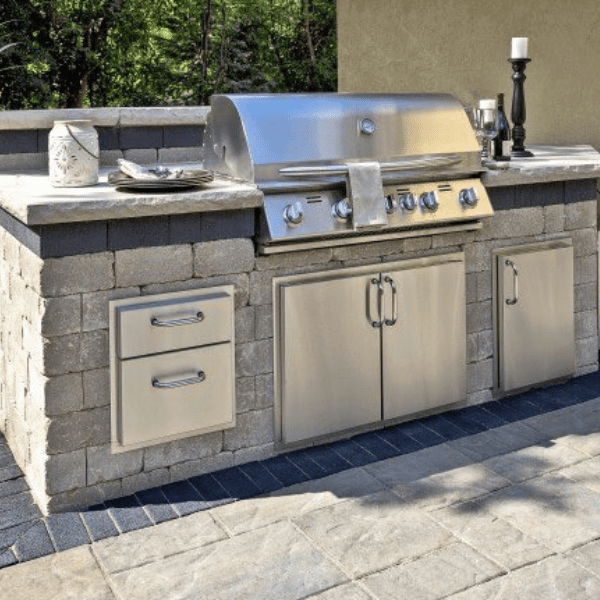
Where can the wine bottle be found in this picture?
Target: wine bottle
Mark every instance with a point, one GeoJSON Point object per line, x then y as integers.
{"type": "Point", "coordinates": [501, 151]}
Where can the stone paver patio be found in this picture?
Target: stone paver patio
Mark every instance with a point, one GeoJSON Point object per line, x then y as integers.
{"type": "Point", "coordinates": [504, 511]}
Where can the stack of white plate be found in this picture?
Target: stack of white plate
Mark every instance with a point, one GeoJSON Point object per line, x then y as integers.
{"type": "Point", "coordinates": [157, 177]}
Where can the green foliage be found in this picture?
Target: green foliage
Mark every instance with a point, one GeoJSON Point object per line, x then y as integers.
{"type": "Point", "coordinates": [163, 52]}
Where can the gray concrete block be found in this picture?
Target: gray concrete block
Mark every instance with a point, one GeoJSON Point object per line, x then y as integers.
{"type": "Point", "coordinates": [458, 238]}
{"type": "Point", "coordinates": [370, 250]}
{"type": "Point", "coordinates": [94, 349]}
{"type": "Point", "coordinates": [585, 269]}
{"type": "Point", "coordinates": [586, 324]}
{"type": "Point", "coordinates": [554, 218]}
{"type": "Point", "coordinates": [191, 468]}
{"type": "Point", "coordinates": [580, 215]}
{"type": "Point", "coordinates": [241, 281]}
{"type": "Point", "coordinates": [145, 480]}
{"type": "Point", "coordinates": [254, 358]}
{"type": "Point", "coordinates": [96, 388]}
{"type": "Point", "coordinates": [60, 394]}
{"type": "Point", "coordinates": [478, 257]}
{"type": "Point", "coordinates": [519, 222]}
{"type": "Point", "coordinates": [77, 274]}
{"type": "Point", "coordinates": [254, 428]}
{"type": "Point", "coordinates": [264, 322]}
{"type": "Point", "coordinates": [261, 287]}
{"type": "Point", "coordinates": [79, 430]}
{"type": "Point", "coordinates": [103, 466]}
{"type": "Point", "coordinates": [418, 244]}
{"type": "Point", "coordinates": [585, 241]}
{"type": "Point", "coordinates": [586, 351]}
{"type": "Point", "coordinates": [65, 472]}
{"type": "Point", "coordinates": [245, 393]}
{"type": "Point", "coordinates": [170, 453]}
{"type": "Point", "coordinates": [291, 260]}
{"type": "Point", "coordinates": [479, 316]}
{"type": "Point", "coordinates": [264, 390]}
{"type": "Point", "coordinates": [485, 344]}
{"type": "Point", "coordinates": [585, 297]}
{"type": "Point", "coordinates": [157, 264]}
{"type": "Point", "coordinates": [484, 285]}
{"type": "Point", "coordinates": [62, 354]}
{"type": "Point", "coordinates": [246, 455]}
{"type": "Point", "coordinates": [61, 315]}
{"type": "Point", "coordinates": [180, 155]}
{"type": "Point", "coordinates": [480, 376]}
{"type": "Point", "coordinates": [84, 497]}
{"type": "Point", "coordinates": [142, 156]}
{"type": "Point", "coordinates": [480, 397]}
{"type": "Point", "coordinates": [95, 306]}
{"type": "Point", "coordinates": [245, 324]}
{"type": "Point", "coordinates": [223, 257]}
{"type": "Point", "coordinates": [471, 287]}
{"type": "Point", "coordinates": [472, 348]}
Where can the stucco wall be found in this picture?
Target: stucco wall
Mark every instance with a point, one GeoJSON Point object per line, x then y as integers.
{"type": "Point", "coordinates": [462, 47]}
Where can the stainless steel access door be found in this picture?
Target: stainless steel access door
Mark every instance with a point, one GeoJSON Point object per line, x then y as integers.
{"type": "Point", "coordinates": [330, 374]}
{"type": "Point", "coordinates": [535, 314]}
{"type": "Point", "coordinates": [424, 351]}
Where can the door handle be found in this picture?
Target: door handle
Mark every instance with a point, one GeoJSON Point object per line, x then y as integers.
{"type": "Point", "coordinates": [169, 385]}
{"type": "Point", "coordinates": [394, 319]}
{"type": "Point", "coordinates": [379, 285]}
{"type": "Point", "coordinates": [515, 298]}
{"type": "Point", "coordinates": [197, 318]}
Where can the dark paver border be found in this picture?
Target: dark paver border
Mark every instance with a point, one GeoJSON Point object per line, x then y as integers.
{"type": "Point", "coordinates": [26, 535]}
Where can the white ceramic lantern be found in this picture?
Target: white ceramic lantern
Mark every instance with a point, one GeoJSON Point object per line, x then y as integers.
{"type": "Point", "coordinates": [73, 154]}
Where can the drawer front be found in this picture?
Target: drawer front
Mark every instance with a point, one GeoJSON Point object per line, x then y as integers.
{"type": "Point", "coordinates": [173, 324]}
{"type": "Point", "coordinates": [175, 394]}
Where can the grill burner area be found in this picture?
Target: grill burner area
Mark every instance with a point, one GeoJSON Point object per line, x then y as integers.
{"type": "Point", "coordinates": [302, 217]}
{"type": "Point", "coordinates": [348, 166]}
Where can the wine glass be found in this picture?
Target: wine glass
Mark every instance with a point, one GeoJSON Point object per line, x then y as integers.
{"type": "Point", "coordinates": [486, 128]}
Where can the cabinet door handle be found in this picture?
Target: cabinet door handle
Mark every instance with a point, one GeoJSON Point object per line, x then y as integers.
{"type": "Point", "coordinates": [199, 316]}
{"type": "Point", "coordinates": [379, 285]}
{"type": "Point", "coordinates": [394, 319]}
{"type": "Point", "coordinates": [168, 385]}
{"type": "Point", "coordinates": [515, 298]}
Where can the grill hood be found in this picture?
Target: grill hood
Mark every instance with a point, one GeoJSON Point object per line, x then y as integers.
{"type": "Point", "coordinates": [305, 140]}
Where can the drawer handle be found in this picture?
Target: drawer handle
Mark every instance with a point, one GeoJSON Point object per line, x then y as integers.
{"type": "Point", "coordinates": [177, 322]}
{"type": "Point", "coordinates": [168, 385]}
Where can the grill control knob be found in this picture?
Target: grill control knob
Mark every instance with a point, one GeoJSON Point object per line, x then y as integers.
{"type": "Point", "coordinates": [343, 209]}
{"type": "Point", "coordinates": [408, 202]}
{"type": "Point", "coordinates": [429, 201]}
{"type": "Point", "coordinates": [293, 213]}
{"type": "Point", "coordinates": [468, 196]}
{"type": "Point", "coordinates": [391, 204]}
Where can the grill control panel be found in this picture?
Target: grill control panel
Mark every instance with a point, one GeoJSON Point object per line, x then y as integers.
{"type": "Point", "coordinates": [298, 216]}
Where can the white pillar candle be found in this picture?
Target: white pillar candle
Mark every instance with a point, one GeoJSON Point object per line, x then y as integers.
{"type": "Point", "coordinates": [487, 103]}
{"type": "Point", "coordinates": [519, 48]}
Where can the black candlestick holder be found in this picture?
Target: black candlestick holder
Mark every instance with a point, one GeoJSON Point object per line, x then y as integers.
{"type": "Point", "coordinates": [518, 107]}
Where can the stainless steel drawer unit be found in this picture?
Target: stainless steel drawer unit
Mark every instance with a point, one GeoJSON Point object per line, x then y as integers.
{"type": "Point", "coordinates": [172, 366]}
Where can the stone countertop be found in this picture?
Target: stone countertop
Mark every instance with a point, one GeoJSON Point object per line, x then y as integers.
{"type": "Point", "coordinates": [32, 200]}
{"type": "Point", "coordinates": [548, 163]}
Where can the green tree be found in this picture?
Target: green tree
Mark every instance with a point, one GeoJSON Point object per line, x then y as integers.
{"type": "Point", "coordinates": [164, 52]}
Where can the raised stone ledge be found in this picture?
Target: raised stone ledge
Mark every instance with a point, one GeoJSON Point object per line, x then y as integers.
{"type": "Point", "coordinates": [106, 117]}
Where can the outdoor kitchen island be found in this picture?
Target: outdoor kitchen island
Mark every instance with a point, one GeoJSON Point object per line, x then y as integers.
{"type": "Point", "coordinates": [67, 254]}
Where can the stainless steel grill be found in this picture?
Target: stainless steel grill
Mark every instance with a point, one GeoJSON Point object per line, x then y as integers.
{"type": "Point", "coordinates": [345, 168]}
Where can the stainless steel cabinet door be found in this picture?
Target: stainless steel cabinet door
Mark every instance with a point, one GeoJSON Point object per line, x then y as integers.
{"type": "Point", "coordinates": [330, 357]}
{"type": "Point", "coordinates": [535, 310]}
{"type": "Point", "coordinates": [424, 351]}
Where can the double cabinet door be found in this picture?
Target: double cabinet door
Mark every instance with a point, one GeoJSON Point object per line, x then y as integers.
{"type": "Point", "coordinates": [358, 346]}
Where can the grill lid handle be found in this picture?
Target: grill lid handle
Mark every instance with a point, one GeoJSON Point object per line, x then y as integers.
{"type": "Point", "coordinates": [409, 164]}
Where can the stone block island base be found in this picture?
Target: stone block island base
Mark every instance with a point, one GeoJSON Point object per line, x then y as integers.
{"type": "Point", "coordinates": [66, 254]}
